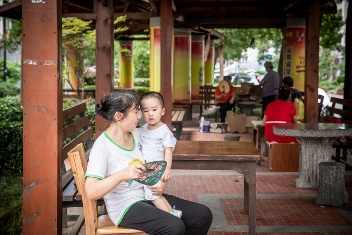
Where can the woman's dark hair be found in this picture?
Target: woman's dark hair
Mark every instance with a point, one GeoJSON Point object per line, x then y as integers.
{"type": "Point", "coordinates": [154, 94]}
{"type": "Point", "coordinates": [118, 101]}
{"type": "Point", "coordinates": [284, 92]}
{"type": "Point", "coordinates": [288, 81]}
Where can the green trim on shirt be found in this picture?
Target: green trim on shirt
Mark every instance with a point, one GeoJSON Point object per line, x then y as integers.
{"type": "Point", "coordinates": [112, 141]}
{"type": "Point", "coordinates": [94, 176]}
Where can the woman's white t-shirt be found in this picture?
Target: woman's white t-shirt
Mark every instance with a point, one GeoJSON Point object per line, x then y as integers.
{"type": "Point", "coordinates": [107, 158]}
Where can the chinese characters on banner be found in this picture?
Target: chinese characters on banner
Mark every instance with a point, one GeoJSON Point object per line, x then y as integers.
{"type": "Point", "coordinates": [294, 52]}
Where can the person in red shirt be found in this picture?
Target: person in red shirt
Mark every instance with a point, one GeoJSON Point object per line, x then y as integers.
{"type": "Point", "coordinates": [280, 111]}
{"type": "Point", "coordinates": [225, 100]}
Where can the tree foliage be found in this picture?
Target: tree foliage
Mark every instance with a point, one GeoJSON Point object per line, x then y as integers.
{"type": "Point", "coordinates": [238, 40]}
{"type": "Point", "coordinates": [12, 38]}
{"type": "Point", "coordinates": [330, 38]}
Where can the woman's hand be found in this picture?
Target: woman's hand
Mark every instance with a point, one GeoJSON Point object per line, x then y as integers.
{"type": "Point", "coordinates": [158, 188]}
{"type": "Point", "coordinates": [133, 172]}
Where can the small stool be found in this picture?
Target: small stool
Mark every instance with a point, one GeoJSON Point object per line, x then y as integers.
{"type": "Point", "coordinates": [331, 190]}
{"type": "Point", "coordinates": [232, 137]}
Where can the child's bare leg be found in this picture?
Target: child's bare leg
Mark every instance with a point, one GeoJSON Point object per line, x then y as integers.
{"type": "Point", "coordinates": [162, 204]}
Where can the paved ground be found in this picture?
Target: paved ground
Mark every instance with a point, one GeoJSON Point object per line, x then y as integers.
{"type": "Point", "coordinates": [281, 207]}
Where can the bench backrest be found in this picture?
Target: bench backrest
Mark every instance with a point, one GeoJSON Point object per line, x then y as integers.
{"type": "Point", "coordinates": [207, 95]}
{"type": "Point", "coordinates": [78, 163]}
{"type": "Point", "coordinates": [345, 111]}
{"type": "Point", "coordinates": [76, 130]}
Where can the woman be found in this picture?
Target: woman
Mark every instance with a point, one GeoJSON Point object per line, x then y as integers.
{"type": "Point", "coordinates": [225, 100]}
{"type": "Point", "coordinates": [116, 158]}
{"type": "Point", "coordinates": [280, 111]}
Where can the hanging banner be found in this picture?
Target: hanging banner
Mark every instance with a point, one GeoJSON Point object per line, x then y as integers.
{"type": "Point", "coordinates": [154, 84]}
{"type": "Point", "coordinates": [209, 65]}
{"type": "Point", "coordinates": [126, 64]}
{"type": "Point", "coordinates": [294, 51]}
{"type": "Point", "coordinates": [182, 66]}
{"type": "Point", "coordinates": [197, 65]}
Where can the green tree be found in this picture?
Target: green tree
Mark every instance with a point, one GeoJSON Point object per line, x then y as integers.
{"type": "Point", "coordinates": [78, 41]}
{"type": "Point", "coordinates": [141, 56]}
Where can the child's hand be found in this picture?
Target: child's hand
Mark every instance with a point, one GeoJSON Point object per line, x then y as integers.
{"type": "Point", "coordinates": [166, 176]}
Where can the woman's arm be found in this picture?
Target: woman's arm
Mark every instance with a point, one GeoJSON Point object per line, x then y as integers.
{"type": "Point", "coordinates": [264, 120]}
{"type": "Point", "coordinates": [294, 120]}
{"type": "Point", "coordinates": [96, 188]}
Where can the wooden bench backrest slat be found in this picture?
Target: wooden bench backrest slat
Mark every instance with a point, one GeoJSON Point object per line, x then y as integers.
{"type": "Point", "coordinates": [82, 138]}
{"type": "Point", "coordinates": [73, 128]}
{"type": "Point", "coordinates": [344, 102]}
{"type": "Point", "coordinates": [346, 110]}
{"type": "Point", "coordinates": [73, 111]}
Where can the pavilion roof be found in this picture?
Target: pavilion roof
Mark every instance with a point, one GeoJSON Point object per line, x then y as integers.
{"type": "Point", "coordinates": [199, 15]}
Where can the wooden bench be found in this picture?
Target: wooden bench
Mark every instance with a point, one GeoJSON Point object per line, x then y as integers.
{"type": "Point", "coordinates": [207, 98]}
{"type": "Point", "coordinates": [344, 111]}
{"type": "Point", "coordinates": [76, 130]}
{"type": "Point", "coordinates": [176, 120]}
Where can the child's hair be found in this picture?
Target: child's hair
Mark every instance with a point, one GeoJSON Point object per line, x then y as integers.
{"type": "Point", "coordinates": [284, 92]}
{"type": "Point", "coordinates": [154, 94]}
{"type": "Point", "coordinates": [118, 101]}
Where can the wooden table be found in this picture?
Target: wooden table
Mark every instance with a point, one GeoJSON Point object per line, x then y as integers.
{"type": "Point", "coordinates": [315, 146]}
{"type": "Point", "coordinates": [222, 155]}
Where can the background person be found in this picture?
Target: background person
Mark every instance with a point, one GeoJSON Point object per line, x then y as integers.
{"type": "Point", "coordinates": [279, 111]}
{"type": "Point", "coordinates": [270, 83]}
{"type": "Point", "coordinates": [116, 158]}
{"type": "Point", "coordinates": [296, 98]}
{"type": "Point", "coordinates": [158, 142]}
{"type": "Point", "coordinates": [226, 101]}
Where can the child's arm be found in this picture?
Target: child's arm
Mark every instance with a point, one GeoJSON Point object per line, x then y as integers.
{"type": "Point", "coordinates": [168, 158]}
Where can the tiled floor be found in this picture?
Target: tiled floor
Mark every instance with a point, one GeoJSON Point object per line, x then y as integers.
{"type": "Point", "coordinates": [281, 207]}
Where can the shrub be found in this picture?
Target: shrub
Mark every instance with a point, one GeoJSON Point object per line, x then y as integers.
{"type": "Point", "coordinates": [8, 89]}
{"type": "Point", "coordinates": [11, 204]}
{"type": "Point", "coordinates": [11, 144]}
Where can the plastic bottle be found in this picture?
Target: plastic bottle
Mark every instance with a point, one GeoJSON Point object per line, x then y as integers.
{"type": "Point", "coordinates": [201, 124]}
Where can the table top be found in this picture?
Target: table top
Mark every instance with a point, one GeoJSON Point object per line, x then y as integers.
{"type": "Point", "coordinates": [215, 150]}
{"type": "Point", "coordinates": [314, 129]}
{"type": "Point", "coordinates": [257, 123]}
{"type": "Point", "coordinates": [248, 102]}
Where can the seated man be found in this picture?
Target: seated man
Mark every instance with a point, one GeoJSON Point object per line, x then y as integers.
{"type": "Point", "coordinates": [225, 97]}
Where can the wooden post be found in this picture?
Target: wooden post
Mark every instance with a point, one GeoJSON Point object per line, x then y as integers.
{"type": "Point", "coordinates": [42, 117]}
{"type": "Point", "coordinates": [104, 57]}
{"type": "Point", "coordinates": [166, 63]}
{"type": "Point", "coordinates": [312, 62]}
{"type": "Point", "coordinates": [331, 190]}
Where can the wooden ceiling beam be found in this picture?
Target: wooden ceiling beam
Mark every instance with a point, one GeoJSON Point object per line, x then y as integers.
{"type": "Point", "coordinates": [237, 21]}
{"type": "Point", "coordinates": [10, 6]}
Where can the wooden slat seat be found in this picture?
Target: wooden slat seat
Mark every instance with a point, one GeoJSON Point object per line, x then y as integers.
{"type": "Point", "coordinates": [93, 223]}
{"type": "Point", "coordinates": [176, 120]}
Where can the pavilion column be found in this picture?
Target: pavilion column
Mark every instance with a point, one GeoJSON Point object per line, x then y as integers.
{"type": "Point", "coordinates": [126, 64]}
{"type": "Point", "coordinates": [182, 65]}
{"type": "Point", "coordinates": [154, 82]}
{"type": "Point", "coordinates": [197, 65]}
{"type": "Point", "coordinates": [42, 117]}
{"type": "Point", "coordinates": [294, 51]}
{"type": "Point", "coordinates": [209, 65]}
{"type": "Point", "coordinates": [312, 62]}
{"type": "Point", "coordinates": [104, 57]}
{"type": "Point", "coordinates": [166, 74]}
